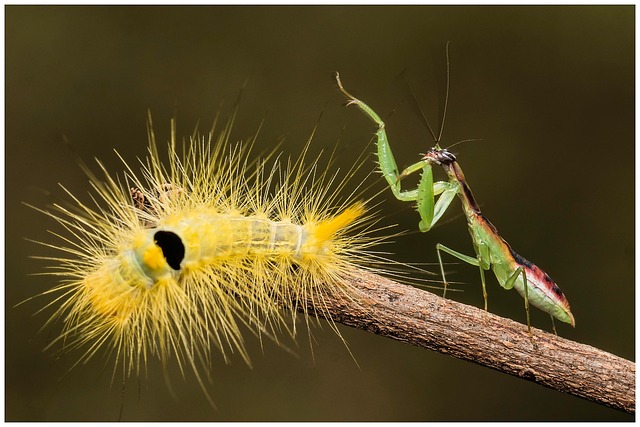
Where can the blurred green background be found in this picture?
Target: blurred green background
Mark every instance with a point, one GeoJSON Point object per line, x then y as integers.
{"type": "Point", "coordinates": [549, 90]}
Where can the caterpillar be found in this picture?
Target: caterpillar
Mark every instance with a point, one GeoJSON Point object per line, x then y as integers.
{"type": "Point", "coordinates": [174, 260]}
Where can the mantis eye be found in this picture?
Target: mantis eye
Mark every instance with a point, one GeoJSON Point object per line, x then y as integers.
{"type": "Point", "coordinates": [447, 156]}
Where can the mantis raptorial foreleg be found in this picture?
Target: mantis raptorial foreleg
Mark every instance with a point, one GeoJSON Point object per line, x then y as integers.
{"type": "Point", "coordinates": [447, 193]}
{"type": "Point", "coordinates": [429, 209]}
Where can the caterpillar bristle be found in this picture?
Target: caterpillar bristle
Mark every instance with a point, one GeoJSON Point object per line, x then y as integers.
{"type": "Point", "coordinates": [174, 260]}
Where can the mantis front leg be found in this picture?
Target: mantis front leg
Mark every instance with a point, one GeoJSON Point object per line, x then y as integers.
{"type": "Point", "coordinates": [430, 211]}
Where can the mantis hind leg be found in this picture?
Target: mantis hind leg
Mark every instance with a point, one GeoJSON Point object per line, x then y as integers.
{"type": "Point", "coordinates": [509, 284]}
{"type": "Point", "coordinates": [484, 287]}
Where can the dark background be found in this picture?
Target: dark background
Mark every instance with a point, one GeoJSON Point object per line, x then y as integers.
{"type": "Point", "coordinates": [550, 90]}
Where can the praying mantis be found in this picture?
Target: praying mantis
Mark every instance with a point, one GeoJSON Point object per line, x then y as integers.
{"type": "Point", "coordinates": [491, 250]}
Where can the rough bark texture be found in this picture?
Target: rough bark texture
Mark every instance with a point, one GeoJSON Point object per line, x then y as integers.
{"type": "Point", "coordinates": [426, 320]}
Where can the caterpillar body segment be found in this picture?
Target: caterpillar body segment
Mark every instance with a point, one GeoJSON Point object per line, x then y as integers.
{"type": "Point", "coordinates": [177, 258]}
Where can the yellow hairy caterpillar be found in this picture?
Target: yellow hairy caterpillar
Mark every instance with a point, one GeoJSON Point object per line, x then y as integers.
{"type": "Point", "coordinates": [175, 259]}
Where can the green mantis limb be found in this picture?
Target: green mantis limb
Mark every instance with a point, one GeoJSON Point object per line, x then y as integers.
{"type": "Point", "coordinates": [483, 263]}
{"type": "Point", "coordinates": [429, 209]}
{"type": "Point", "coordinates": [477, 261]}
{"type": "Point", "coordinates": [509, 284]}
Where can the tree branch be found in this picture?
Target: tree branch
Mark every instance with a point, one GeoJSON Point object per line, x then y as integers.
{"type": "Point", "coordinates": [426, 320]}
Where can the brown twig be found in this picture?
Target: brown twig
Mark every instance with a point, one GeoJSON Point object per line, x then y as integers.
{"type": "Point", "coordinates": [426, 320]}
